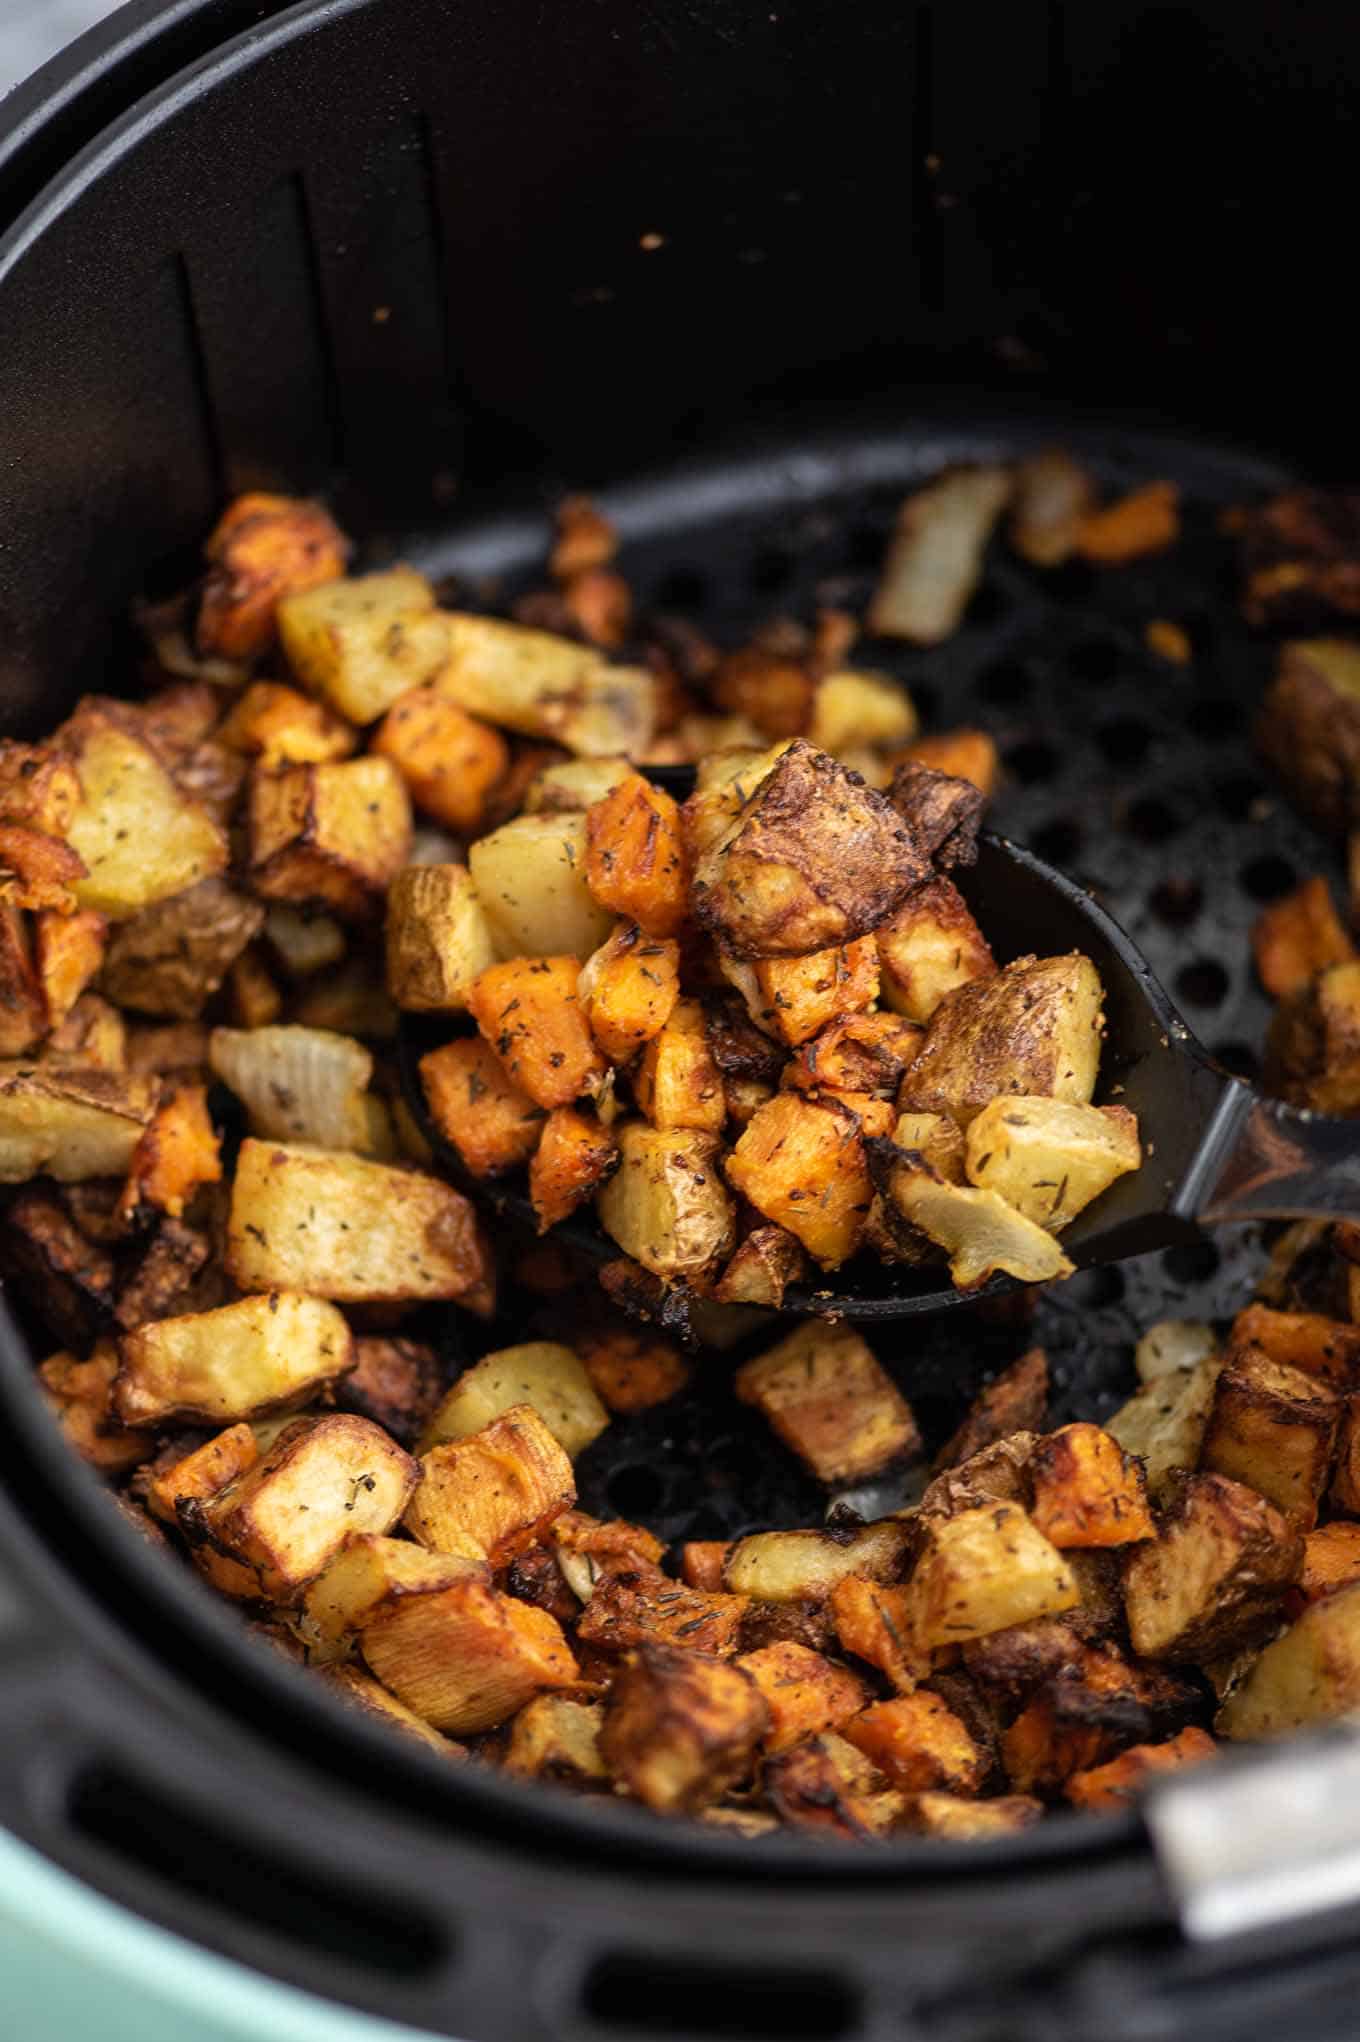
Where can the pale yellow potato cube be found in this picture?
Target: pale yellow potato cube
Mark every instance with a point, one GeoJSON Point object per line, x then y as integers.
{"type": "Point", "coordinates": [1048, 1157]}
{"type": "Point", "coordinates": [359, 644]}
{"type": "Point", "coordinates": [70, 1123]}
{"type": "Point", "coordinates": [666, 1204]}
{"type": "Point", "coordinates": [540, 1372]}
{"type": "Point", "coordinates": [141, 838]}
{"type": "Point", "coordinates": [231, 1363]}
{"type": "Point", "coordinates": [802, 1566]}
{"type": "Point", "coordinates": [1310, 1675]}
{"type": "Point", "coordinates": [530, 876]}
{"type": "Point", "coordinates": [548, 687]}
{"type": "Point", "coordinates": [983, 1571]}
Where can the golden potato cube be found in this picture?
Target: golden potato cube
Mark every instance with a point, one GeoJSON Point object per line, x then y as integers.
{"type": "Point", "coordinates": [360, 1689]}
{"type": "Point", "coordinates": [439, 940]}
{"type": "Point", "coordinates": [23, 1008]}
{"type": "Point", "coordinates": [1087, 1490]}
{"type": "Point", "coordinates": [556, 1738]}
{"type": "Point", "coordinates": [680, 1728]}
{"type": "Point", "coordinates": [1310, 1675]}
{"type": "Point", "coordinates": [959, 1820]}
{"type": "Point", "coordinates": [371, 1573]}
{"type": "Point", "coordinates": [1049, 1158]}
{"type": "Point", "coordinates": [1032, 1029]}
{"type": "Point", "coordinates": [542, 1373]}
{"type": "Point", "coordinates": [629, 988]}
{"type": "Point", "coordinates": [929, 946]}
{"type": "Point", "coordinates": [825, 1395]}
{"type": "Point", "coordinates": [548, 687]}
{"type": "Point", "coordinates": [502, 1486]}
{"type": "Point", "coordinates": [322, 1482]}
{"type": "Point", "coordinates": [645, 1607]}
{"type": "Point", "coordinates": [258, 1354]}
{"type": "Point", "coordinates": [1331, 1559]}
{"type": "Point", "coordinates": [141, 839]}
{"type": "Point", "coordinates": [666, 1204]}
{"type": "Point", "coordinates": [766, 1262]}
{"type": "Point", "coordinates": [850, 708]}
{"type": "Point", "coordinates": [1215, 1574]}
{"type": "Point", "coordinates": [804, 1692]}
{"type": "Point", "coordinates": [979, 1231]}
{"type": "Point", "coordinates": [804, 1566]}
{"type": "Point", "coordinates": [347, 1228]}
{"type": "Point", "coordinates": [984, 1570]}
{"type": "Point", "coordinates": [802, 1164]}
{"type": "Point", "coordinates": [530, 877]}
{"type": "Point", "coordinates": [360, 644]}
{"type": "Point", "coordinates": [492, 1124]}
{"type": "Point", "coordinates": [284, 728]}
{"type": "Point", "coordinates": [1163, 1424]}
{"type": "Point", "coordinates": [1273, 1428]}
{"type": "Point", "coordinates": [465, 1658]}
{"type": "Point", "coordinates": [678, 1084]}
{"type": "Point", "coordinates": [934, 561]}
{"type": "Point", "coordinates": [70, 1123]}
{"type": "Point", "coordinates": [336, 833]}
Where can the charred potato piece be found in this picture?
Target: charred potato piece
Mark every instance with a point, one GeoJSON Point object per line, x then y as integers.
{"type": "Point", "coordinates": [928, 947]}
{"type": "Point", "coordinates": [361, 644]}
{"type": "Point", "coordinates": [801, 1163]}
{"type": "Point", "coordinates": [1049, 1158]}
{"type": "Point", "coordinates": [68, 1279]}
{"type": "Point", "coordinates": [1087, 1490]}
{"type": "Point", "coordinates": [1345, 1490]}
{"type": "Point", "coordinates": [858, 1053]}
{"type": "Point", "coordinates": [171, 957]}
{"type": "Point", "coordinates": [1015, 1401]}
{"type": "Point", "coordinates": [1088, 1715]}
{"type": "Point", "coordinates": [984, 1570]}
{"type": "Point", "coordinates": [804, 1692]}
{"type": "Point", "coordinates": [825, 1785]}
{"type": "Point", "coordinates": [1273, 1428]}
{"type": "Point", "coordinates": [542, 1373]}
{"type": "Point", "coordinates": [1032, 1029]}
{"type": "Point", "coordinates": [164, 1283]}
{"type": "Point", "coordinates": [256, 1355]}
{"type": "Point", "coordinates": [804, 1566]}
{"type": "Point", "coordinates": [680, 1728]}
{"type": "Point", "coordinates": [1108, 1788]}
{"type": "Point", "coordinates": [337, 834]}
{"type": "Point", "coordinates": [943, 811]}
{"type": "Point", "coordinates": [629, 989]}
{"type": "Point", "coordinates": [629, 1609]}
{"type": "Point", "coordinates": [502, 1486]}
{"type": "Point", "coordinates": [919, 1744]}
{"type": "Point", "coordinates": [466, 1658]}
{"type": "Point", "coordinates": [1295, 938]}
{"type": "Point", "coordinates": [998, 1473]}
{"type": "Point", "coordinates": [493, 1124]}
{"type": "Point", "coordinates": [1310, 1675]}
{"type": "Point", "coordinates": [396, 1383]}
{"type": "Point", "coordinates": [934, 561]}
{"type": "Point", "coordinates": [666, 1204]}
{"type": "Point", "coordinates": [439, 941]}
{"type": "Point", "coordinates": [814, 858]}
{"type": "Point", "coordinates": [1215, 1574]}
{"type": "Point", "coordinates": [23, 1008]}
{"type": "Point", "coordinates": [826, 1397]}
{"type": "Point", "coordinates": [1313, 1047]}
{"type": "Point", "coordinates": [70, 1122]}
{"type": "Point", "coordinates": [766, 1262]}
{"type": "Point", "coordinates": [1309, 728]}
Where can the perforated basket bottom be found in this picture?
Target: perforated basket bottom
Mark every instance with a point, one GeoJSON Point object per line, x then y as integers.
{"type": "Point", "coordinates": [1136, 774]}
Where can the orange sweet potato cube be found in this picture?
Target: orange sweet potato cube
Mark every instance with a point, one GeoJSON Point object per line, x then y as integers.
{"type": "Point", "coordinates": [1147, 520]}
{"type": "Point", "coordinates": [702, 1562]}
{"type": "Point", "coordinates": [449, 760]}
{"type": "Point", "coordinates": [874, 1622]}
{"type": "Point", "coordinates": [858, 1053]}
{"type": "Point", "coordinates": [177, 1153]}
{"type": "Point", "coordinates": [264, 547]}
{"type": "Point", "coordinates": [801, 995]}
{"type": "Point", "coordinates": [678, 1084]}
{"type": "Point", "coordinates": [574, 1154]}
{"type": "Point", "coordinates": [67, 952]}
{"type": "Point", "coordinates": [198, 1476]}
{"type": "Point", "coordinates": [964, 754]}
{"type": "Point", "coordinates": [629, 989]}
{"type": "Point", "coordinates": [1111, 1786]}
{"type": "Point", "coordinates": [804, 1692]}
{"type": "Point", "coordinates": [635, 856]}
{"type": "Point", "coordinates": [502, 1486]}
{"type": "Point", "coordinates": [1297, 937]}
{"type": "Point", "coordinates": [1331, 1559]}
{"type": "Point", "coordinates": [824, 1393]}
{"type": "Point", "coordinates": [78, 1393]}
{"type": "Point", "coordinates": [649, 1608]}
{"type": "Point", "coordinates": [1087, 1490]}
{"type": "Point", "coordinates": [492, 1124]}
{"type": "Point", "coordinates": [768, 688]}
{"type": "Point", "coordinates": [631, 1371]}
{"type": "Point", "coordinates": [802, 1164]}
{"type": "Point", "coordinates": [529, 1010]}
{"type": "Point", "coordinates": [919, 1743]}
{"type": "Point", "coordinates": [1326, 1348]}
{"type": "Point", "coordinates": [284, 727]}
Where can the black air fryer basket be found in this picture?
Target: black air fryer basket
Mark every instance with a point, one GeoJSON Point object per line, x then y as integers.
{"type": "Point", "coordinates": [746, 271]}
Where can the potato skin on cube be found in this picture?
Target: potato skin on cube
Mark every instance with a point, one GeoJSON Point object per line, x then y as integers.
{"type": "Point", "coordinates": [529, 1011]}
{"type": "Point", "coordinates": [1087, 1490]}
{"type": "Point", "coordinates": [826, 1396]}
{"type": "Point", "coordinates": [666, 1204]}
{"type": "Point", "coordinates": [337, 834]}
{"type": "Point", "coordinates": [814, 858]}
{"type": "Point", "coordinates": [766, 1262]}
{"type": "Point", "coordinates": [1310, 1675]}
{"type": "Point", "coordinates": [575, 1154]}
{"type": "Point", "coordinates": [984, 1570]}
{"type": "Point", "coordinates": [171, 957]}
{"type": "Point", "coordinates": [680, 1728]}
{"type": "Point", "coordinates": [502, 1486]}
{"type": "Point", "coordinates": [1272, 1427]}
{"type": "Point", "coordinates": [542, 1373]}
{"type": "Point", "coordinates": [466, 1658]}
{"type": "Point", "coordinates": [1215, 1575]}
{"type": "Point", "coordinates": [919, 1743]}
{"type": "Point", "coordinates": [636, 863]}
{"type": "Point", "coordinates": [804, 1692]}
{"type": "Point", "coordinates": [242, 1359]}
{"type": "Point", "coordinates": [1032, 1029]}
{"type": "Point", "coordinates": [556, 1738]}
{"type": "Point", "coordinates": [347, 1228]}
{"type": "Point", "coordinates": [802, 1164]}
{"type": "Point", "coordinates": [929, 946]}
{"type": "Point", "coordinates": [629, 989]}
{"type": "Point", "coordinates": [439, 941]}
{"type": "Point", "coordinates": [493, 1124]}
{"type": "Point", "coordinates": [262, 549]}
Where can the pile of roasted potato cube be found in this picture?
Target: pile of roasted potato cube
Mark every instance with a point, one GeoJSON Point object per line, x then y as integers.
{"type": "Point", "coordinates": [759, 1032]}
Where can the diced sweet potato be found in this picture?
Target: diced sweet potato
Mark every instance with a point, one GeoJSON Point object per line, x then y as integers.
{"type": "Point", "coordinates": [797, 997]}
{"type": "Point", "coordinates": [702, 1562]}
{"type": "Point", "coordinates": [1273, 1428]}
{"type": "Point", "coordinates": [919, 1743]}
{"type": "Point", "coordinates": [1110, 1787]}
{"type": "Point", "coordinates": [874, 1622]}
{"type": "Point", "coordinates": [983, 1570]}
{"type": "Point", "coordinates": [262, 549]}
{"type": "Point", "coordinates": [964, 754]}
{"type": "Point", "coordinates": [1331, 1560]}
{"type": "Point", "coordinates": [1085, 1716]}
{"type": "Point", "coordinates": [771, 689]}
{"type": "Point", "coordinates": [857, 1053]}
{"type": "Point", "coordinates": [630, 1370]}
{"type": "Point", "coordinates": [574, 1156]}
{"type": "Point", "coordinates": [804, 1692]}
{"type": "Point", "coordinates": [23, 1009]}
{"type": "Point", "coordinates": [201, 1474]}
{"type": "Point", "coordinates": [529, 1011]}
{"type": "Point", "coordinates": [178, 1153]}
{"type": "Point", "coordinates": [629, 988]}
{"type": "Point", "coordinates": [628, 1609]}
{"type": "Point", "coordinates": [1295, 938]}
{"type": "Point", "coordinates": [1214, 1577]}
{"type": "Point", "coordinates": [501, 1486]}
{"type": "Point", "coordinates": [273, 722]}
{"type": "Point", "coordinates": [335, 833]}
{"type": "Point", "coordinates": [802, 1164]}
{"type": "Point", "coordinates": [943, 811]}
{"type": "Point", "coordinates": [449, 761]}
{"type": "Point", "coordinates": [680, 1728]}
{"type": "Point", "coordinates": [1310, 1675]}
{"type": "Point", "coordinates": [439, 941]}
{"type": "Point", "coordinates": [493, 1124]}
{"type": "Point", "coordinates": [67, 952]}
{"type": "Point", "coordinates": [465, 1658]}
{"type": "Point", "coordinates": [636, 863]}
{"type": "Point", "coordinates": [1087, 1490]}
{"type": "Point", "coordinates": [1147, 520]}
{"type": "Point", "coordinates": [79, 1396]}
{"type": "Point", "coordinates": [380, 1705]}
{"type": "Point", "coordinates": [1014, 1401]}
{"type": "Point", "coordinates": [825, 1395]}
{"type": "Point", "coordinates": [766, 1262]}
{"type": "Point", "coordinates": [258, 1354]}
{"type": "Point", "coordinates": [541, 1373]}
{"type": "Point", "coordinates": [1326, 1348]}
{"type": "Point", "coordinates": [927, 947]}
{"type": "Point", "coordinates": [666, 1204]}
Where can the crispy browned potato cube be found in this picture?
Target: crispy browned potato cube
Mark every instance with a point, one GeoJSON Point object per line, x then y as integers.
{"type": "Point", "coordinates": [1108, 1788]}
{"type": "Point", "coordinates": [171, 957]}
{"type": "Point", "coordinates": [1345, 1489]}
{"type": "Point", "coordinates": [1086, 1715]}
{"type": "Point", "coordinates": [1032, 1029]}
{"type": "Point", "coordinates": [772, 690]}
{"type": "Point", "coordinates": [1009, 1665]}
{"type": "Point", "coordinates": [873, 1621]}
{"type": "Point", "coordinates": [177, 1154]}
{"type": "Point", "coordinates": [677, 1083]}
{"type": "Point", "coordinates": [979, 1230]}
{"type": "Point", "coordinates": [362, 644]}
{"type": "Point", "coordinates": [275, 723]}
{"type": "Point", "coordinates": [262, 549]}
{"type": "Point", "coordinates": [825, 1395]}
{"type": "Point", "coordinates": [39, 787]}
{"type": "Point", "coordinates": [370, 1574]}
{"type": "Point", "coordinates": [1313, 1047]}
{"type": "Point", "coordinates": [323, 1481]}
{"type": "Point", "coordinates": [336, 833]}
{"type": "Point", "coordinates": [766, 1262]}
{"type": "Point", "coordinates": [1309, 727]}
{"type": "Point", "coordinates": [998, 1473]}
{"type": "Point", "coordinates": [1326, 1348]}
{"type": "Point", "coordinates": [1310, 1675]}
{"type": "Point", "coordinates": [1049, 1157]}
{"type": "Point", "coordinates": [1273, 1428]}
{"type": "Point", "coordinates": [804, 1566]}
{"type": "Point", "coordinates": [918, 1742]}
{"type": "Point", "coordinates": [78, 1394]}
{"type": "Point", "coordinates": [38, 871]}
{"type": "Point", "coordinates": [1215, 1574]}
{"type": "Point", "coordinates": [502, 1486]}
{"type": "Point", "coordinates": [1295, 938]}
{"type": "Point", "coordinates": [804, 1692]}
{"type": "Point", "coordinates": [983, 1570]}
{"type": "Point", "coordinates": [1014, 1401]}
{"type": "Point", "coordinates": [828, 1787]}
{"type": "Point", "coordinates": [636, 862]}
{"type": "Point", "coordinates": [680, 1728]}
{"type": "Point", "coordinates": [70, 1122]}
{"type": "Point", "coordinates": [556, 1738]}
{"type": "Point", "coordinates": [629, 988]}
{"type": "Point", "coordinates": [361, 1691]}
{"type": "Point", "coordinates": [394, 1382]}
{"type": "Point", "coordinates": [943, 811]}
{"type": "Point", "coordinates": [934, 561]}
{"type": "Point", "coordinates": [449, 760]}
{"type": "Point", "coordinates": [929, 946]}
{"type": "Point", "coordinates": [67, 1279]}
{"type": "Point", "coordinates": [259, 1354]}
{"type": "Point", "coordinates": [493, 1124]}
{"type": "Point", "coordinates": [801, 1162]}
{"type": "Point", "coordinates": [575, 1154]}
{"type": "Point", "coordinates": [1053, 496]}
{"type": "Point", "coordinates": [439, 941]}
{"type": "Point", "coordinates": [141, 839]}
{"type": "Point", "coordinates": [649, 1608]}
{"type": "Point", "coordinates": [1087, 1490]}
{"type": "Point", "coordinates": [1164, 1422]}
{"type": "Point", "coordinates": [857, 1053]}
{"type": "Point", "coordinates": [666, 1204]}
{"type": "Point", "coordinates": [964, 754]}
{"type": "Point", "coordinates": [529, 1011]}
{"type": "Point", "coordinates": [465, 1658]}
{"type": "Point", "coordinates": [1331, 1559]}
{"type": "Point", "coordinates": [548, 687]}
{"type": "Point", "coordinates": [542, 1373]}
{"type": "Point", "coordinates": [348, 1228]}
{"type": "Point", "coordinates": [814, 858]}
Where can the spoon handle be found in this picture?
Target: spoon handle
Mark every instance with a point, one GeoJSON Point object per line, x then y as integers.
{"type": "Point", "coordinates": [1260, 1159]}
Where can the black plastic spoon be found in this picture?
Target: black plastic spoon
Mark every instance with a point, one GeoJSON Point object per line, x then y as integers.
{"type": "Point", "coordinates": [1215, 1151]}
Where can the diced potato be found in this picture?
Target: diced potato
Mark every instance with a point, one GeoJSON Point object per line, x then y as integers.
{"type": "Point", "coordinates": [575, 1154]}
{"type": "Point", "coordinates": [680, 1728]}
{"type": "Point", "coordinates": [92, 1038]}
{"type": "Point", "coordinates": [70, 1123]}
{"type": "Point", "coordinates": [1309, 727]}
{"type": "Point", "coordinates": [1014, 1401]}
{"type": "Point", "coordinates": [256, 1001]}
{"type": "Point", "coordinates": [929, 946]}
{"type": "Point", "coordinates": [465, 1658]}
{"type": "Point", "coordinates": [449, 761]}
{"type": "Point", "coordinates": [1087, 1490]}
{"type": "Point", "coordinates": [934, 561]}
{"type": "Point", "coordinates": [825, 1395]}
{"type": "Point", "coordinates": [530, 877]}
{"type": "Point", "coordinates": [702, 1562]}
{"type": "Point", "coordinates": [170, 958]}
{"type": "Point", "coordinates": [677, 1083]}
{"type": "Point", "coordinates": [1034, 1029]}
{"type": "Point", "coordinates": [919, 1743]}
{"type": "Point", "coordinates": [980, 1232]}
{"type": "Point", "coordinates": [323, 1481]}
{"type": "Point", "coordinates": [1049, 1158]}
{"type": "Point", "coordinates": [801, 1566]}
{"type": "Point", "coordinates": [67, 952]}
{"type": "Point", "coordinates": [1053, 496]}
{"type": "Point", "coordinates": [587, 1548]}
{"type": "Point", "coordinates": [555, 1738]}
{"type": "Point", "coordinates": [874, 1622]}
{"type": "Point", "coordinates": [1310, 1675]}
{"type": "Point", "coordinates": [439, 940]}
{"type": "Point", "coordinates": [1171, 1346]}
{"type": "Point", "coordinates": [943, 811]}
{"type": "Point", "coordinates": [361, 1691]}
{"type": "Point", "coordinates": [585, 539]}
{"type": "Point", "coordinates": [284, 728]}
{"type": "Point", "coordinates": [797, 997]}
{"type": "Point", "coordinates": [78, 1394]}
{"type": "Point", "coordinates": [68, 1278]}
{"type": "Point", "coordinates": [1214, 1577]}
{"type": "Point", "coordinates": [571, 786]}
{"type": "Point", "coordinates": [492, 1124]}
{"type": "Point", "coordinates": [802, 1164]}
{"type": "Point", "coordinates": [259, 1354]}
{"type": "Point", "coordinates": [548, 687]}
{"type": "Point", "coordinates": [263, 549]}
{"type": "Point", "coordinates": [347, 1228]}
{"type": "Point", "coordinates": [1313, 1047]}
{"type": "Point", "coordinates": [766, 1262]}
{"type": "Point", "coordinates": [959, 1820]}
{"type": "Point", "coordinates": [1110, 1787]}
{"type": "Point", "coordinates": [824, 1785]}
{"type": "Point", "coordinates": [1147, 520]}
{"type": "Point", "coordinates": [632, 1371]}
{"type": "Point", "coordinates": [666, 1204]}
{"type": "Point", "coordinates": [1331, 1559]}
{"type": "Point", "coordinates": [337, 833]}
{"type": "Point", "coordinates": [814, 858]}
{"type": "Point", "coordinates": [501, 1486]}
{"type": "Point", "coordinates": [1296, 938]}
{"type": "Point", "coordinates": [725, 780]}
{"type": "Point", "coordinates": [804, 1692]}
{"type": "Point", "coordinates": [1326, 1348]}
{"type": "Point", "coordinates": [629, 988]}
{"type": "Point", "coordinates": [1164, 1423]}
{"type": "Point", "coordinates": [140, 838]}
{"type": "Point", "coordinates": [371, 1573]}
{"type": "Point", "coordinates": [39, 787]}
{"type": "Point", "coordinates": [542, 1373]}
{"type": "Point", "coordinates": [299, 1084]}
{"type": "Point", "coordinates": [984, 1570]}
{"type": "Point", "coordinates": [998, 1473]}
{"type": "Point", "coordinates": [636, 862]}
{"type": "Point", "coordinates": [1273, 1428]}
{"type": "Point", "coordinates": [529, 1011]}
{"type": "Point", "coordinates": [201, 1474]}
{"type": "Point", "coordinates": [23, 1009]}
{"type": "Point", "coordinates": [361, 644]}
{"type": "Point", "coordinates": [630, 1609]}
{"type": "Point", "coordinates": [38, 871]}
{"type": "Point", "coordinates": [851, 708]}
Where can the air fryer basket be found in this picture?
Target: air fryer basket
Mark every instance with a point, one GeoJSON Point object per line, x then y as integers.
{"type": "Point", "coordinates": [208, 210]}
